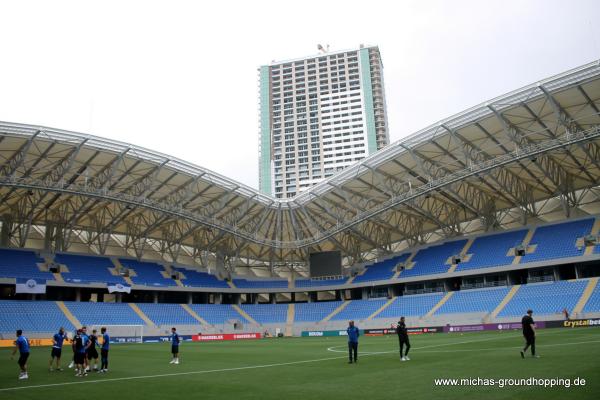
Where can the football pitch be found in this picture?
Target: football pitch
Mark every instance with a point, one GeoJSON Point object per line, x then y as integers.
{"type": "Point", "coordinates": [317, 368]}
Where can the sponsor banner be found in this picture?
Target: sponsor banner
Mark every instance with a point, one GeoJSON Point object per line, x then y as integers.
{"type": "Point", "coordinates": [327, 333]}
{"type": "Point", "coordinates": [429, 329]}
{"type": "Point", "coordinates": [118, 287]}
{"type": "Point", "coordinates": [225, 336]}
{"type": "Point", "coordinates": [30, 286]}
{"type": "Point", "coordinates": [32, 342]}
{"type": "Point", "coordinates": [490, 327]}
{"type": "Point", "coordinates": [579, 323]}
{"type": "Point", "coordinates": [146, 339]}
{"type": "Point", "coordinates": [411, 331]}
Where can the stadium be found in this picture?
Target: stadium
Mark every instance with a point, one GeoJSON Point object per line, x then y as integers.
{"type": "Point", "coordinates": [461, 228]}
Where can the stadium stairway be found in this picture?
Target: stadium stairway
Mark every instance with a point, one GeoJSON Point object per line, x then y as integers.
{"type": "Point", "coordinates": [511, 293]}
{"type": "Point", "coordinates": [408, 264]}
{"type": "Point", "coordinates": [336, 311]}
{"type": "Point", "coordinates": [57, 276]}
{"type": "Point", "coordinates": [383, 307]}
{"type": "Point", "coordinates": [595, 229]}
{"type": "Point", "coordinates": [230, 283]}
{"type": "Point", "coordinates": [585, 296]}
{"type": "Point", "coordinates": [525, 243]}
{"type": "Point", "coordinates": [118, 266]}
{"type": "Point", "coordinates": [141, 314]}
{"type": "Point", "coordinates": [351, 279]}
{"type": "Point", "coordinates": [244, 314]}
{"type": "Point", "coordinates": [464, 253]}
{"type": "Point", "coordinates": [289, 324]}
{"type": "Point", "coordinates": [440, 303]}
{"type": "Point", "coordinates": [165, 274]}
{"type": "Point", "coordinates": [68, 314]}
{"type": "Point", "coordinates": [194, 314]}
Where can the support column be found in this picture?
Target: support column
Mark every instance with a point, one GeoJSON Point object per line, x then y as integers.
{"type": "Point", "coordinates": [365, 293]}
{"type": "Point", "coordinates": [78, 294]}
{"type": "Point", "coordinates": [155, 297]}
{"type": "Point", "coordinates": [5, 232]}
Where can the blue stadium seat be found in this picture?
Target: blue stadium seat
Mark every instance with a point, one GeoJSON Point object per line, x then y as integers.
{"type": "Point", "coordinates": [381, 270]}
{"type": "Point", "coordinates": [314, 312]}
{"type": "Point", "coordinates": [266, 313]}
{"type": "Point", "coordinates": [217, 313]}
{"type": "Point", "coordinates": [200, 279]}
{"type": "Point", "coordinates": [593, 303]}
{"type": "Point", "coordinates": [104, 313]}
{"type": "Point", "coordinates": [411, 305]}
{"type": "Point", "coordinates": [86, 269]}
{"type": "Point", "coordinates": [147, 273]}
{"type": "Point", "coordinates": [558, 240]}
{"type": "Point", "coordinates": [432, 260]}
{"type": "Point", "coordinates": [359, 309]}
{"type": "Point", "coordinates": [491, 251]}
{"type": "Point", "coordinates": [474, 300]}
{"type": "Point", "coordinates": [167, 314]}
{"type": "Point", "coordinates": [32, 316]}
{"type": "Point", "coordinates": [544, 298]}
{"type": "Point", "coordinates": [21, 264]}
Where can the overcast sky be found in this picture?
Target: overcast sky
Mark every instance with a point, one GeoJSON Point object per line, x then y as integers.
{"type": "Point", "coordinates": [180, 76]}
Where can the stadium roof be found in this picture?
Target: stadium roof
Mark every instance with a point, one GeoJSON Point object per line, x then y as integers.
{"type": "Point", "coordinates": [530, 155]}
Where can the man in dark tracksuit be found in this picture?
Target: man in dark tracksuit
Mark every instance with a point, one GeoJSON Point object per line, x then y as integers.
{"type": "Point", "coordinates": [353, 334]}
{"type": "Point", "coordinates": [529, 334]}
{"type": "Point", "coordinates": [403, 339]}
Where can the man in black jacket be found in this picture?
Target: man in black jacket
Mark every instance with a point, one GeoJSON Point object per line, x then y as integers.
{"type": "Point", "coordinates": [529, 334]}
{"type": "Point", "coordinates": [403, 339]}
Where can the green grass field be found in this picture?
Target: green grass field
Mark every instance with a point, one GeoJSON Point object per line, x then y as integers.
{"type": "Point", "coordinates": [316, 368]}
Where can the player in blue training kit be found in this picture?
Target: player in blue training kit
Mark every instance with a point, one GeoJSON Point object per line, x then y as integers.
{"type": "Point", "coordinates": [57, 344]}
{"type": "Point", "coordinates": [175, 340]}
{"type": "Point", "coordinates": [353, 334]}
{"type": "Point", "coordinates": [21, 344]}
{"type": "Point", "coordinates": [104, 350]}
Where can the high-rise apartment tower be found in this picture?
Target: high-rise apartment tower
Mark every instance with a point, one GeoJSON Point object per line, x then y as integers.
{"type": "Point", "coordinates": [318, 115]}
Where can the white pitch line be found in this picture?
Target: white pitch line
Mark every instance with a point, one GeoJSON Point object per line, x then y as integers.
{"type": "Point", "coordinates": [505, 348]}
{"type": "Point", "coordinates": [172, 374]}
{"type": "Point", "coordinates": [332, 349]}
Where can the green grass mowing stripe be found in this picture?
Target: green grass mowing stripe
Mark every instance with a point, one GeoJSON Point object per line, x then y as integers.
{"type": "Point", "coordinates": [512, 336]}
{"type": "Point", "coordinates": [381, 376]}
{"type": "Point", "coordinates": [217, 370]}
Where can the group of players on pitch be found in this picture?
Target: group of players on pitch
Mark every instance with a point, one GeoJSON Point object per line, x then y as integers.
{"type": "Point", "coordinates": [84, 346]}
{"type": "Point", "coordinates": [84, 351]}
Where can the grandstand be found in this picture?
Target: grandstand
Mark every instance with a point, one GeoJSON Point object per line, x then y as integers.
{"type": "Point", "coordinates": [471, 220]}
